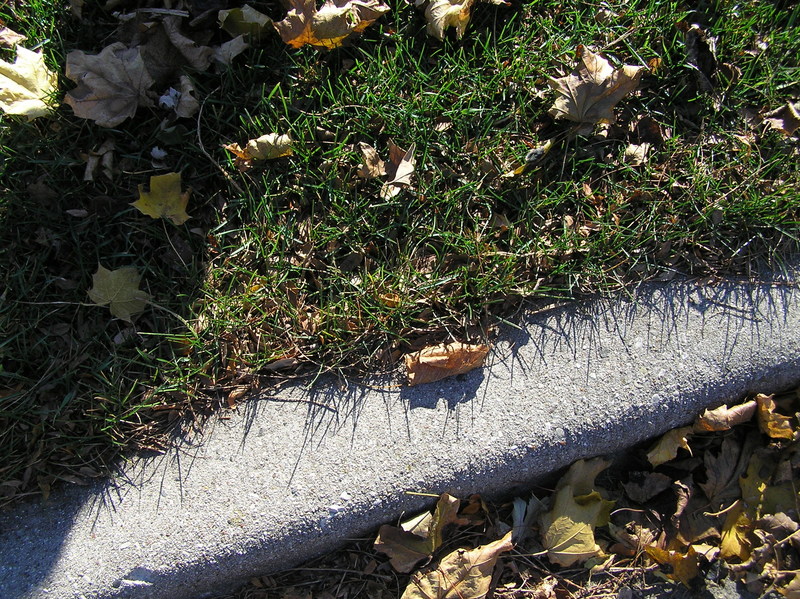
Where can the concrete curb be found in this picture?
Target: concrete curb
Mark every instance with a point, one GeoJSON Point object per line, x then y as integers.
{"type": "Point", "coordinates": [298, 472]}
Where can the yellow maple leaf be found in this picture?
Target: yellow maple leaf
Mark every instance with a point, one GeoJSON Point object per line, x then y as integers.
{"type": "Point", "coordinates": [666, 448]}
{"type": "Point", "coordinates": [165, 199]}
{"type": "Point", "coordinates": [119, 290]}
{"type": "Point", "coordinates": [329, 26]}
{"type": "Point", "coordinates": [26, 85]}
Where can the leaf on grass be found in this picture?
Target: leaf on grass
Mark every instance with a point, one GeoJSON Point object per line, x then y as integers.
{"type": "Point", "coordinates": [225, 53]}
{"type": "Point", "coordinates": [785, 119]}
{"type": "Point", "coordinates": [329, 26]}
{"type": "Point", "coordinates": [441, 14]}
{"type": "Point", "coordinates": [684, 567]}
{"type": "Point", "coordinates": [26, 85]}
{"type": "Point", "coordinates": [397, 172]}
{"type": "Point", "coordinates": [111, 85]}
{"type": "Point", "coordinates": [440, 361]}
{"type": "Point", "coordinates": [589, 94]}
{"type": "Point", "coordinates": [666, 448]}
{"type": "Point", "coordinates": [416, 539]}
{"type": "Point", "coordinates": [373, 166]}
{"type": "Point", "coordinates": [245, 21]}
{"type": "Point", "coordinates": [165, 199]}
{"type": "Point", "coordinates": [462, 574]}
{"type": "Point", "coordinates": [182, 100]}
{"type": "Point", "coordinates": [10, 38]}
{"type": "Point", "coordinates": [119, 290]}
{"type": "Point", "coordinates": [700, 54]}
{"type": "Point", "coordinates": [777, 426]}
{"type": "Point", "coordinates": [266, 147]}
{"type": "Point", "coordinates": [724, 418]}
{"type": "Point", "coordinates": [568, 528]}
{"type": "Point", "coordinates": [636, 154]}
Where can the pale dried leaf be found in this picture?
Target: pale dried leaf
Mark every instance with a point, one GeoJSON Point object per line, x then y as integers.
{"type": "Point", "coordinates": [187, 104]}
{"type": "Point", "coordinates": [399, 170]}
{"type": "Point", "coordinates": [225, 53]}
{"type": "Point", "coordinates": [266, 147]}
{"type": "Point", "coordinates": [568, 528]}
{"type": "Point", "coordinates": [437, 362]}
{"type": "Point", "coordinates": [245, 21]}
{"type": "Point", "coordinates": [26, 85]}
{"type": "Point", "coordinates": [329, 26]}
{"type": "Point", "coordinates": [724, 418]}
{"type": "Point", "coordinates": [636, 154]}
{"type": "Point", "coordinates": [590, 93]}
{"type": "Point", "coordinates": [785, 119]}
{"type": "Point", "coordinates": [10, 38]}
{"type": "Point", "coordinates": [119, 290]}
{"type": "Point", "coordinates": [442, 14]}
{"type": "Point", "coordinates": [111, 85]}
{"type": "Point", "coordinates": [372, 166]}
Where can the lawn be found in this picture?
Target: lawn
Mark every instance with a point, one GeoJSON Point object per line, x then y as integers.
{"type": "Point", "coordinates": [318, 262]}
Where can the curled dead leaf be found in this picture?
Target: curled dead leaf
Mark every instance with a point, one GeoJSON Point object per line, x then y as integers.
{"type": "Point", "coordinates": [329, 26]}
{"type": "Point", "coordinates": [777, 426]}
{"type": "Point", "coordinates": [724, 418]}
{"type": "Point", "coordinates": [440, 361]}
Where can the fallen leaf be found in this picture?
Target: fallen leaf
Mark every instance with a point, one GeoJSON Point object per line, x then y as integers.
{"type": "Point", "coordinates": [666, 448]}
{"type": "Point", "coordinates": [785, 119]}
{"type": "Point", "coordinates": [398, 171]}
{"type": "Point", "coordinates": [636, 154]}
{"type": "Point", "coordinates": [792, 590]}
{"type": "Point", "coordinates": [100, 159]}
{"type": "Point", "coordinates": [651, 485]}
{"type": "Point", "coordinates": [245, 21]}
{"type": "Point", "coordinates": [416, 539]}
{"type": "Point", "coordinates": [724, 418]}
{"type": "Point", "coordinates": [590, 93]}
{"type": "Point", "coordinates": [581, 474]}
{"type": "Point", "coordinates": [684, 567]}
{"type": "Point", "coordinates": [700, 54]}
{"type": "Point", "coordinates": [10, 38]}
{"type": "Point", "coordinates": [734, 541]}
{"type": "Point", "coordinates": [568, 528]}
{"type": "Point", "coordinates": [441, 14]}
{"type": "Point", "coordinates": [26, 85]}
{"type": "Point", "coordinates": [266, 147]}
{"type": "Point", "coordinates": [225, 53]}
{"type": "Point", "coordinates": [119, 290]}
{"type": "Point", "coordinates": [777, 426]}
{"type": "Point", "coordinates": [372, 166]}
{"type": "Point", "coordinates": [440, 361]}
{"type": "Point", "coordinates": [462, 574]}
{"type": "Point", "coordinates": [165, 199]}
{"type": "Point", "coordinates": [723, 470]}
{"type": "Point", "coordinates": [187, 105]}
{"type": "Point", "coordinates": [111, 85]}
{"type": "Point", "coordinates": [329, 26]}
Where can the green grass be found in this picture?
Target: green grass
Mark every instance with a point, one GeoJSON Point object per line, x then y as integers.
{"type": "Point", "coordinates": [300, 260]}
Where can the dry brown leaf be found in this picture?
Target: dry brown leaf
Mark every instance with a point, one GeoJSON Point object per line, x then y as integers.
{"type": "Point", "coordinates": [700, 54]}
{"type": "Point", "coordinates": [735, 531]}
{"type": "Point", "coordinates": [329, 26]}
{"type": "Point", "coordinates": [724, 418]}
{"type": "Point", "coordinates": [440, 361]}
{"type": "Point", "coordinates": [777, 426]}
{"type": "Point", "coordinates": [245, 21]}
{"type": "Point", "coordinates": [462, 574]}
{"type": "Point", "coordinates": [266, 147]}
{"type": "Point", "coordinates": [100, 159]}
{"type": "Point", "coordinates": [111, 85]}
{"type": "Point", "coordinates": [792, 590]}
{"type": "Point", "coordinates": [441, 14]}
{"type": "Point", "coordinates": [399, 170]}
{"type": "Point", "coordinates": [225, 53]}
{"type": "Point", "coordinates": [589, 94]}
{"type": "Point", "coordinates": [636, 154]}
{"type": "Point", "coordinates": [373, 166]}
{"type": "Point", "coordinates": [666, 448]}
{"type": "Point", "coordinates": [785, 119]}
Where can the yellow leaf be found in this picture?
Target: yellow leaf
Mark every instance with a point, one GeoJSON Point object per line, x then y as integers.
{"type": "Point", "coordinates": [735, 530]}
{"type": "Point", "coordinates": [119, 290]}
{"type": "Point", "coordinates": [26, 85]}
{"type": "Point", "coordinates": [568, 528]}
{"type": "Point", "coordinates": [329, 26]}
{"type": "Point", "coordinates": [441, 14]}
{"type": "Point", "coordinates": [684, 566]}
{"type": "Point", "coordinates": [777, 426]}
{"type": "Point", "coordinates": [440, 361]}
{"type": "Point", "coordinates": [266, 147]}
{"type": "Point", "coordinates": [666, 448]}
{"type": "Point", "coordinates": [165, 199]}
{"type": "Point", "coordinates": [462, 574]}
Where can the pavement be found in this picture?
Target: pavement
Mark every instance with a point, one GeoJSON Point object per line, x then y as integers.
{"type": "Point", "coordinates": [295, 473]}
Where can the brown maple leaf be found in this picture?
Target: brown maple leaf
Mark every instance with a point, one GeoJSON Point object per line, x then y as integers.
{"type": "Point", "coordinates": [329, 26]}
{"type": "Point", "coordinates": [589, 94]}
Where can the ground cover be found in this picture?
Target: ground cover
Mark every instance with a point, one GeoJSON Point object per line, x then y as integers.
{"type": "Point", "coordinates": [404, 216]}
{"type": "Point", "coordinates": [707, 510]}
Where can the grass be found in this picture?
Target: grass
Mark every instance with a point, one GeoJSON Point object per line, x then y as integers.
{"type": "Point", "coordinates": [298, 267]}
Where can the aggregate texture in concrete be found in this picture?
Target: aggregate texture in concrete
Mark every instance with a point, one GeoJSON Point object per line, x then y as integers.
{"type": "Point", "coordinates": [296, 472]}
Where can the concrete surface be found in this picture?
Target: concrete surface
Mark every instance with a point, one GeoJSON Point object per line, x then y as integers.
{"type": "Point", "coordinates": [295, 474]}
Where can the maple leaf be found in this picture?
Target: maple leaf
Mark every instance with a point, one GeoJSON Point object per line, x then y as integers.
{"type": "Point", "coordinates": [329, 26]}
{"type": "Point", "coordinates": [441, 14]}
{"type": "Point", "coordinates": [568, 528]}
{"type": "Point", "coordinates": [372, 166]}
{"type": "Point", "coordinates": [777, 426]}
{"type": "Point", "coordinates": [111, 85]}
{"type": "Point", "coordinates": [165, 199]}
{"type": "Point", "coordinates": [666, 448]}
{"type": "Point", "coordinates": [119, 290]}
{"type": "Point", "coordinates": [26, 85]}
{"type": "Point", "coordinates": [684, 567]}
{"type": "Point", "coordinates": [440, 361]}
{"type": "Point", "coordinates": [245, 21]}
{"type": "Point", "coordinates": [462, 574]}
{"type": "Point", "coordinates": [589, 94]}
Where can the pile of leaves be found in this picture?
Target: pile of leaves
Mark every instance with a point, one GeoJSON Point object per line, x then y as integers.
{"type": "Point", "coordinates": [716, 503]}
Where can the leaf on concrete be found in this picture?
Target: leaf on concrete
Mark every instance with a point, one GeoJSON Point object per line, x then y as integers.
{"type": "Point", "coordinates": [462, 574]}
{"type": "Point", "coordinates": [26, 85]}
{"type": "Point", "coordinates": [165, 199]}
{"type": "Point", "coordinates": [568, 528]}
{"type": "Point", "coordinates": [724, 418]}
{"type": "Point", "coordinates": [590, 93]}
{"type": "Point", "coordinates": [329, 26]}
{"type": "Point", "coordinates": [245, 21]}
{"type": "Point", "coordinates": [440, 361]}
{"type": "Point", "coordinates": [777, 426]}
{"type": "Point", "coordinates": [785, 119]}
{"type": "Point", "coordinates": [416, 539]}
{"type": "Point", "coordinates": [266, 147]}
{"type": "Point", "coordinates": [10, 38]}
{"type": "Point", "coordinates": [111, 85]}
{"type": "Point", "coordinates": [666, 448]}
{"type": "Point", "coordinates": [683, 567]}
{"type": "Point", "coordinates": [735, 531]}
{"type": "Point", "coordinates": [442, 14]}
{"type": "Point", "coordinates": [119, 290]}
